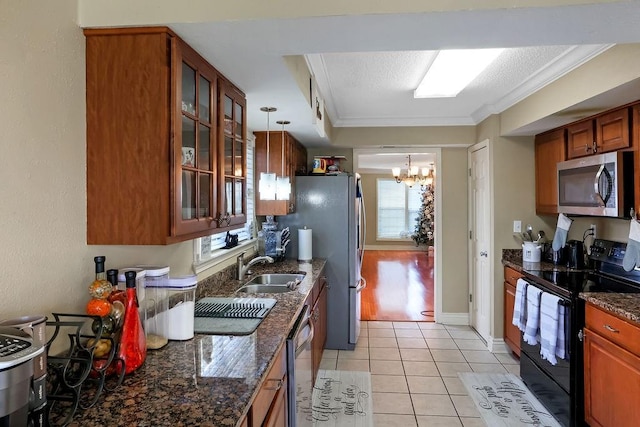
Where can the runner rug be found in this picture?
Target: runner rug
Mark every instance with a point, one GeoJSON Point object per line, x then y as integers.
{"type": "Point", "coordinates": [342, 399]}
{"type": "Point", "coordinates": [504, 400]}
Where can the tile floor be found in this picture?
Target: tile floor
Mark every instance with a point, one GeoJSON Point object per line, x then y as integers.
{"type": "Point", "coordinates": [414, 369]}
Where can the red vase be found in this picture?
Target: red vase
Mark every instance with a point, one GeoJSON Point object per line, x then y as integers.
{"type": "Point", "coordinates": [133, 344]}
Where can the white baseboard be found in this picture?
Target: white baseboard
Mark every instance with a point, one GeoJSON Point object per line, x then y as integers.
{"type": "Point", "coordinates": [454, 318]}
{"type": "Point", "coordinates": [497, 345]}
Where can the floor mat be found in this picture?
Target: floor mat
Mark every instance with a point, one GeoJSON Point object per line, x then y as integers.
{"type": "Point", "coordinates": [504, 400]}
{"type": "Point", "coordinates": [342, 399]}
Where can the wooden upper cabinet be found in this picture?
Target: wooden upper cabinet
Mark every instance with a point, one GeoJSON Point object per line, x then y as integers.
{"type": "Point", "coordinates": [155, 165]}
{"type": "Point", "coordinates": [606, 132]}
{"type": "Point", "coordinates": [286, 155]}
{"type": "Point", "coordinates": [550, 148]}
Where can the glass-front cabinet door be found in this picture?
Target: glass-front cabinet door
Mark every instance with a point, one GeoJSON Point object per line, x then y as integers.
{"type": "Point", "coordinates": [195, 144]}
{"type": "Point", "coordinates": [232, 150]}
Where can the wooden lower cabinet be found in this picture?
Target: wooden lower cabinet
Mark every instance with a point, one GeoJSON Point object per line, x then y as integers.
{"type": "Point", "coordinates": [269, 401]}
{"type": "Point", "coordinates": [511, 332]}
{"type": "Point", "coordinates": [319, 321]}
{"type": "Point", "coordinates": [611, 372]}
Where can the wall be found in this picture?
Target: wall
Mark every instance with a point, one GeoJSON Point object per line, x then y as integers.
{"type": "Point", "coordinates": [45, 263]}
{"type": "Point", "coordinates": [346, 165]}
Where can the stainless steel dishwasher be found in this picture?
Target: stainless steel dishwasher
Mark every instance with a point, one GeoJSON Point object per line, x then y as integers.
{"type": "Point", "coordinates": [300, 370]}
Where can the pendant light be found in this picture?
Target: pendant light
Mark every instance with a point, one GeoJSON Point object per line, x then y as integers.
{"type": "Point", "coordinates": [267, 183]}
{"type": "Point", "coordinates": [283, 184]}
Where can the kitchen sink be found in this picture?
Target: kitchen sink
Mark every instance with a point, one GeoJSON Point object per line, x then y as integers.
{"type": "Point", "coordinates": [272, 283]}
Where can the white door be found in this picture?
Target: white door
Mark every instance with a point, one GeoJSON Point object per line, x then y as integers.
{"type": "Point", "coordinates": [480, 225]}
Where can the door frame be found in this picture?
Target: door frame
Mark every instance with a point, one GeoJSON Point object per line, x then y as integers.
{"type": "Point", "coordinates": [437, 235]}
{"type": "Point", "coordinates": [483, 144]}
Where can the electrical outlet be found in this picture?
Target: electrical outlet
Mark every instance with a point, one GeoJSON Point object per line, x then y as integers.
{"type": "Point", "coordinates": [594, 229]}
{"type": "Point", "coordinates": [517, 226]}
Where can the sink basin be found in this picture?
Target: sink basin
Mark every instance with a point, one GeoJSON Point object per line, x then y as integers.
{"type": "Point", "coordinates": [272, 283]}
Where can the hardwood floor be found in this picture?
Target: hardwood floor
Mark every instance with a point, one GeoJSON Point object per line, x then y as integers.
{"type": "Point", "coordinates": [399, 286]}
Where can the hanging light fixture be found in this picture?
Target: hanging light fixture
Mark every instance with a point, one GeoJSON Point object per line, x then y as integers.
{"type": "Point", "coordinates": [413, 176]}
{"type": "Point", "coordinates": [267, 183]}
{"type": "Point", "coordinates": [283, 184]}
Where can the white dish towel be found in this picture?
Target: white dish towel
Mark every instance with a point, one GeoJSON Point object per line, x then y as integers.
{"type": "Point", "coordinates": [520, 305]}
{"type": "Point", "coordinates": [533, 315]}
{"type": "Point", "coordinates": [562, 344]}
{"type": "Point", "coordinates": [549, 326]}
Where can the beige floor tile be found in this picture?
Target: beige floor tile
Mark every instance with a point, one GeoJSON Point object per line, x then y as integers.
{"type": "Point", "coordinates": [465, 407]}
{"type": "Point", "coordinates": [513, 369]}
{"type": "Point", "coordinates": [426, 385]}
{"type": "Point", "coordinates": [364, 332]}
{"type": "Point", "coordinates": [507, 358]}
{"type": "Point", "coordinates": [408, 333]}
{"type": "Point", "coordinates": [471, 422]}
{"type": "Point", "coordinates": [382, 342]}
{"type": "Point", "coordinates": [362, 343]}
{"type": "Point", "coordinates": [377, 324]}
{"type": "Point", "coordinates": [476, 344]}
{"type": "Point", "coordinates": [479, 356]}
{"type": "Point", "coordinates": [437, 421]}
{"type": "Point", "coordinates": [442, 343]}
{"type": "Point", "coordinates": [382, 333]}
{"type": "Point", "coordinates": [405, 325]}
{"type": "Point", "coordinates": [352, 365]}
{"type": "Point", "coordinates": [455, 386]}
{"type": "Point", "coordinates": [425, 369]}
{"type": "Point", "coordinates": [488, 367]}
{"type": "Point", "coordinates": [451, 369]}
{"type": "Point", "coordinates": [358, 353]}
{"type": "Point", "coordinates": [464, 334]}
{"type": "Point", "coordinates": [384, 353]}
{"type": "Point", "coordinates": [416, 354]}
{"type": "Point", "coordinates": [328, 364]}
{"type": "Point", "coordinates": [329, 354]}
{"type": "Point", "coordinates": [436, 333]}
{"type": "Point", "coordinates": [412, 343]}
{"type": "Point", "coordinates": [394, 420]}
{"type": "Point", "coordinates": [389, 384]}
{"type": "Point", "coordinates": [447, 355]}
{"type": "Point", "coordinates": [430, 325]}
{"type": "Point", "coordinates": [433, 404]}
{"type": "Point", "coordinates": [387, 367]}
{"type": "Point", "coordinates": [392, 403]}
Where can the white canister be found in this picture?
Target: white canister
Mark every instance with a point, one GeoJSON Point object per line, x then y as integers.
{"type": "Point", "coordinates": [531, 252]}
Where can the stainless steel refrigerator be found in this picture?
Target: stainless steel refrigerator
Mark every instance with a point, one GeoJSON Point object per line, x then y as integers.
{"type": "Point", "coordinates": [332, 206]}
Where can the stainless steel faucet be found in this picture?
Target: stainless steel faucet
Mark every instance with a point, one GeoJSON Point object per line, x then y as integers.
{"type": "Point", "coordinates": [244, 269]}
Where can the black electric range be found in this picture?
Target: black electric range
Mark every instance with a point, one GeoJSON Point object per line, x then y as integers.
{"type": "Point", "coordinates": [560, 387]}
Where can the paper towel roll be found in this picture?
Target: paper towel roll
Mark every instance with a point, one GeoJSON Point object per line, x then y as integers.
{"type": "Point", "coordinates": [304, 244]}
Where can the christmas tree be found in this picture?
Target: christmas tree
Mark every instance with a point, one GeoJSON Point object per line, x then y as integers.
{"type": "Point", "coordinates": [424, 222]}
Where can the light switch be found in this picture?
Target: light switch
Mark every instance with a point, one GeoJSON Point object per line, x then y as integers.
{"type": "Point", "coordinates": [517, 226]}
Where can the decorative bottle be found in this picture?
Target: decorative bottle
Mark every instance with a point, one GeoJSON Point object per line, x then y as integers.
{"type": "Point", "coordinates": [100, 289]}
{"type": "Point", "coordinates": [133, 345]}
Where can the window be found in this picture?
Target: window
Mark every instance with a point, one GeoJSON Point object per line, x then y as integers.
{"type": "Point", "coordinates": [209, 248]}
{"type": "Point", "coordinates": [398, 207]}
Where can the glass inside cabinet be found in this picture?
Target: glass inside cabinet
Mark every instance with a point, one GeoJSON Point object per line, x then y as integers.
{"type": "Point", "coordinates": [197, 143]}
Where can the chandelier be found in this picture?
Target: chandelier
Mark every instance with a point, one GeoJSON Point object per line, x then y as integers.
{"type": "Point", "coordinates": [412, 176]}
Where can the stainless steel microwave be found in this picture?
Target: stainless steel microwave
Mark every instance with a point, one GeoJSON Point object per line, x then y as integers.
{"type": "Point", "coordinates": [598, 185]}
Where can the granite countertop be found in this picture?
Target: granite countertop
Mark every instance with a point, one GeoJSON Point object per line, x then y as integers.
{"type": "Point", "coordinates": [623, 305]}
{"type": "Point", "coordinates": [209, 380]}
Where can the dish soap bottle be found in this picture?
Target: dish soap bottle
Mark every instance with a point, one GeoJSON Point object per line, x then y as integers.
{"type": "Point", "coordinates": [133, 345]}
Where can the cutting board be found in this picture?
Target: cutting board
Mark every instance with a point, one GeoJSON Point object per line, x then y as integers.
{"type": "Point", "coordinates": [230, 325]}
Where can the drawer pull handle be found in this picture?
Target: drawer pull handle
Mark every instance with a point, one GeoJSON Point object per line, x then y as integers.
{"type": "Point", "coordinates": [610, 329]}
{"type": "Point", "coordinates": [278, 385]}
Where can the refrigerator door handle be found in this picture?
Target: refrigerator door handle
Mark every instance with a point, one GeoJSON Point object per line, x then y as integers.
{"type": "Point", "coordinates": [361, 285]}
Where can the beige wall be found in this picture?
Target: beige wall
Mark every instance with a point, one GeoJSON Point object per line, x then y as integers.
{"type": "Point", "coordinates": [45, 263]}
{"type": "Point", "coordinates": [404, 136]}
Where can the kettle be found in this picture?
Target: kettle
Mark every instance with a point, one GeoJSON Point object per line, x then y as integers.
{"type": "Point", "coordinates": [575, 254]}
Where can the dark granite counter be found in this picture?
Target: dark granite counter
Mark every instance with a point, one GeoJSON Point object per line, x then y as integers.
{"type": "Point", "coordinates": [513, 258]}
{"type": "Point", "coordinates": [209, 380]}
{"type": "Point", "coordinates": [624, 305]}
